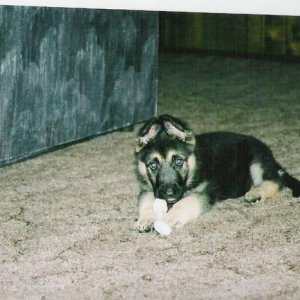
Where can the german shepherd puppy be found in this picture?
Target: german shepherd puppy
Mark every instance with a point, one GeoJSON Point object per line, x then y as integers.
{"type": "Point", "coordinates": [192, 172]}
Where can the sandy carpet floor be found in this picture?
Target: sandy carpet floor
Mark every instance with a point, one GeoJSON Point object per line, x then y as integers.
{"type": "Point", "coordinates": [66, 218]}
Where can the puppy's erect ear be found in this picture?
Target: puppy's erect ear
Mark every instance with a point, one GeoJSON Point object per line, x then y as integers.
{"type": "Point", "coordinates": [147, 133]}
{"type": "Point", "coordinates": [178, 129]}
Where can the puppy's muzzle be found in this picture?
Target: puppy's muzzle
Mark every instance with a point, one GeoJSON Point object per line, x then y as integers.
{"type": "Point", "coordinates": [169, 192]}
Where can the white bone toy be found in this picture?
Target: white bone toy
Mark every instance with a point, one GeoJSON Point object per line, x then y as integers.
{"type": "Point", "coordinates": [160, 210]}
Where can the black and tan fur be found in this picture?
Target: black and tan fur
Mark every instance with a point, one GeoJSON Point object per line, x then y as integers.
{"type": "Point", "coordinates": [192, 172]}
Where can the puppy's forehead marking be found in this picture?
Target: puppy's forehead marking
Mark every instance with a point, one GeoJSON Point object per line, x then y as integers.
{"type": "Point", "coordinates": [156, 155]}
{"type": "Point", "coordinates": [172, 153]}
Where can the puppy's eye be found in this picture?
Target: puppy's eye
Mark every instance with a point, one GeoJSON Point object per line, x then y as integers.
{"type": "Point", "coordinates": [153, 165]}
{"type": "Point", "coordinates": [178, 161]}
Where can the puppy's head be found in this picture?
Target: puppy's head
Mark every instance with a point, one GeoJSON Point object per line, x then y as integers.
{"type": "Point", "coordinates": [165, 157]}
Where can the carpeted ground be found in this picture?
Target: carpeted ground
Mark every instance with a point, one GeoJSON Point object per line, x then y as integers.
{"type": "Point", "coordinates": [66, 218]}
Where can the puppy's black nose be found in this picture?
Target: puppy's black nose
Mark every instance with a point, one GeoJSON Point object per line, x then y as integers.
{"type": "Point", "coordinates": [169, 192]}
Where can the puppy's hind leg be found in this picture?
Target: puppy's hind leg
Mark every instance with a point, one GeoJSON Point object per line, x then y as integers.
{"type": "Point", "coordinates": [261, 189]}
{"type": "Point", "coordinates": [267, 190]}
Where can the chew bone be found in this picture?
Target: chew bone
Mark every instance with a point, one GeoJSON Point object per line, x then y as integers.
{"type": "Point", "coordinates": [160, 209]}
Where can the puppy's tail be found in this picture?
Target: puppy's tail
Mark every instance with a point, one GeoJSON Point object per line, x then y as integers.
{"type": "Point", "coordinates": [290, 182]}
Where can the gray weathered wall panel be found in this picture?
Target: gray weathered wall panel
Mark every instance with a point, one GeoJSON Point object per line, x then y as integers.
{"type": "Point", "coordinates": [66, 74]}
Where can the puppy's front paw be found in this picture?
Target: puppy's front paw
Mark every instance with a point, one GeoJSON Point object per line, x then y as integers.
{"type": "Point", "coordinates": [174, 220]}
{"type": "Point", "coordinates": [145, 223]}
